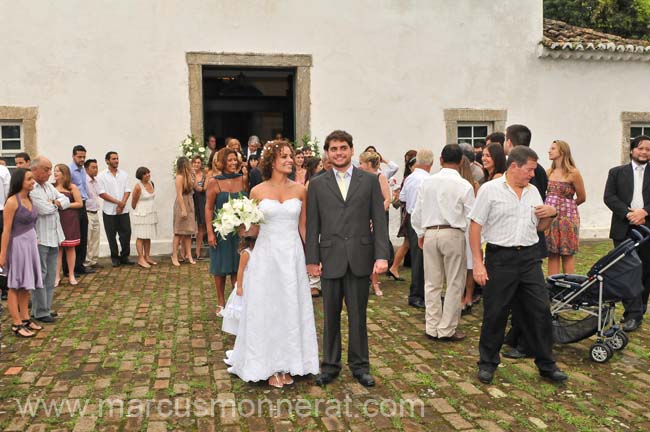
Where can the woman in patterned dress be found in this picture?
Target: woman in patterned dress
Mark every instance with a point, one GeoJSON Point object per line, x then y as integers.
{"type": "Point", "coordinates": [566, 191]}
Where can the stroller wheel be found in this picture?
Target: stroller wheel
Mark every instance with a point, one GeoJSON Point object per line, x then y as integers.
{"type": "Point", "coordinates": [600, 352]}
{"type": "Point", "coordinates": [618, 341]}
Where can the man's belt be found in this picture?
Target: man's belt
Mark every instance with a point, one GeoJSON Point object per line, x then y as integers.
{"type": "Point", "coordinates": [439, 227]}
{"type": "Point", "coordinates": [495, 248]}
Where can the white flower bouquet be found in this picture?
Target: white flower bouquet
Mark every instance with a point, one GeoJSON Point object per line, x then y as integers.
{"type": "Point", "coordinates": [240, 215]}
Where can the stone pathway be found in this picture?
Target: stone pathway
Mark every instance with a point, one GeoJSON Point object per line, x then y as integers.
{"type": "Point", "coordinates": [138, 350]}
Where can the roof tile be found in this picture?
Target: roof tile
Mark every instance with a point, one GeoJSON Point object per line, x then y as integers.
{"type": "Point", "coordinates": [559, 35]}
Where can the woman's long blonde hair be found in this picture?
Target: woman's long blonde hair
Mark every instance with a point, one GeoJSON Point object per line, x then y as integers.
{"type": "Point", "coordinates": [568, 165]}
{"type": "Point", "coordinates": [66, 179]}
{"type": "Point", "coordinates": [184, 169]}
{"type": "Point", "coordinates": [465, 171]}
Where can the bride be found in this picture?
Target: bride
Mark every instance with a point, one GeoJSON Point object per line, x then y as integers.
{"type": "Point", "coordinates": [276, 338]}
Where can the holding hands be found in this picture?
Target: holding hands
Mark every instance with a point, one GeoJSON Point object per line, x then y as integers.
{"type": "Point", "coordinates": [381, 266]}
{"type": "Point", "coordinates": [314, 270]}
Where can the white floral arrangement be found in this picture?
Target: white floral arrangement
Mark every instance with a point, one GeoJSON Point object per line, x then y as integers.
{"type": "Point", "coordinates": [309, 143]}
{"type": "Point", "coordinates": [189, 147]}
{"type": "Point", "coordinates": [239, 212]}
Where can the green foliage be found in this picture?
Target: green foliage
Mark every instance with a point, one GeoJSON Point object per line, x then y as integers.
{"type": "Point", "coordinates": [625, 18]}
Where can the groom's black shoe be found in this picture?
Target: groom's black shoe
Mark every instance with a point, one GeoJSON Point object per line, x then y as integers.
{"type": "Point", "coordinates": [325, 378]}
{"type": "Point", "coordinates": [365, 379]}
{"type": "Point", "coordinates": [417, 303]}
{"type": "Point", "coordinates": [514, 353]}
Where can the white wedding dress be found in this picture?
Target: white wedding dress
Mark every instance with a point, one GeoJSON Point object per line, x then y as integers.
{"type": "Point", "coordinates": [277, 331]}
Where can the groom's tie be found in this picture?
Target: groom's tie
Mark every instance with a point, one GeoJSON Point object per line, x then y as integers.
{"type": "Point", "coordinates": [340, 179]}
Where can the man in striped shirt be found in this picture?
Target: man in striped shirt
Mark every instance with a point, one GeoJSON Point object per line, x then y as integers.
{"type": "Point", "coordinates": [47, 201]}
{"type": "Point", "coordinates": [508, 213]}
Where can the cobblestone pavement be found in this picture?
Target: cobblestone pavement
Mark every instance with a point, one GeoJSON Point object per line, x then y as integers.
{"type": "Point", "coordinates": [126, 336]}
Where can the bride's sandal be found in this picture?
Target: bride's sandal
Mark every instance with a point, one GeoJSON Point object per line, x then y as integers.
{"type": "Point", "coordinates": [275, 381]}
{"type": "Point", "coordinates": [377, 290]}
{"type": "Point", "coordinates": [219, 311]}
{"type": "Point", "coordinates": [287, 379]}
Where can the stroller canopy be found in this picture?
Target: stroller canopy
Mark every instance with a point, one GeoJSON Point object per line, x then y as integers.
{"type": "Point", "coordinates": [623, 279]}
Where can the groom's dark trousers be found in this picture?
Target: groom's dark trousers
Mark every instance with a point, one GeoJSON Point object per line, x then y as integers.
{"type": "Point", "coordinates": [354, 290]}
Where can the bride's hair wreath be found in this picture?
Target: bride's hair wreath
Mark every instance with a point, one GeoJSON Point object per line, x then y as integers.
{"type": "Point", "coordinates": [270, 152]}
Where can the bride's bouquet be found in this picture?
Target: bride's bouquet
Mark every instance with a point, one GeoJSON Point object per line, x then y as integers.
{"type": "Point", "coordinates": [240, 215]}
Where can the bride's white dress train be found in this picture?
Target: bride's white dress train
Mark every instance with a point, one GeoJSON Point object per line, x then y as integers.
{"type": "Point", "coordinates": [277, 331]}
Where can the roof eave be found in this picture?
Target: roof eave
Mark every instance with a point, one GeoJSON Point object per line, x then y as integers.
{"type": "Point", "coordinates": [601, 52]}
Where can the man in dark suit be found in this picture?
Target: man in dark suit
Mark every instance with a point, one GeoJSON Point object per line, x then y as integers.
{"type": "Point", "coordinates": [344, 252]}
{"type": "Point", "coordinates": [254, 147]}
{"type": "Point", "coordinates": [627, 194]}
{"type": "Point", "coordinates": [254, 175]}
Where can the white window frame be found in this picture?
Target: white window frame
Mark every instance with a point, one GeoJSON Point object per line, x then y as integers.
{"type": "Point", "coordinates": [644, 126]}
{"type": "Point", "coordinates": [454, 117]}
{"type": "Point", "coordinates": [12, 153]}
{"type": "Point", "coordinates": [490, 128]}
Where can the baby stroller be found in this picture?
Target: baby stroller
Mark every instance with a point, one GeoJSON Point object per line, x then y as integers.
{"type": "Point", "coordinates": [592, 298]}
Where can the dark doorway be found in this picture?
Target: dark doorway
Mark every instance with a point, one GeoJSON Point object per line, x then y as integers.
{"type": "Point", "coordinates": [240, 102]}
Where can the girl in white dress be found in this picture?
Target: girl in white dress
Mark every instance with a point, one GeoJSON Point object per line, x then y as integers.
{"type": "Point", "coordinates": [276, 337]}
{"type": "Point", "coordinates": [232, 312]}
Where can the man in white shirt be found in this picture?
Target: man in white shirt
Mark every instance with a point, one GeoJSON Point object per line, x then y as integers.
{"type": "Point", "coordinates": [408, 195]}
{"type": "Point", "coordinates": [92, 207]}
{"type": "Point", "coordinates": [508, 213]}
{"type": "Point", "coordinates": [440, 221]}
{"type": "Point", "coordinates": [113, 188]}
{"type": "Point", "coordinates": [5, 178]}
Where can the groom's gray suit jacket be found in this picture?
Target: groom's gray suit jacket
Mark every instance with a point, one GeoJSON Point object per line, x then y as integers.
{"type": "Point", "coordinates": [338, 230]}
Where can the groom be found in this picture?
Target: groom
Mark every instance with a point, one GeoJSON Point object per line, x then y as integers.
{"type": "Point", "coordinates": [344, 252]}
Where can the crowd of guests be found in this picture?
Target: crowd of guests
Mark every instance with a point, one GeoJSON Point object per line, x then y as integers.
{"type": "Point", "coordinates": [51, 228]}
{"type": "Point", "coordinates": [479, 226]}
{"type": "Point", "coordinates": [484, 195]}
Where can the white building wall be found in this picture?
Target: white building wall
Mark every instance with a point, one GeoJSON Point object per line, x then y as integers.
{"type": "Point", "coordinates": [112, 75]}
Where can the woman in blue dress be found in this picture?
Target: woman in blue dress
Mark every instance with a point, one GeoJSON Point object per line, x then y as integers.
{"type": "Point", "coordinates": [224, 256]}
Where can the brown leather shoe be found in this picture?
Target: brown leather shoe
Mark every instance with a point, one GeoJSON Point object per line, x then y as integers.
{"type": "Point", "coordinates": [457, 336]}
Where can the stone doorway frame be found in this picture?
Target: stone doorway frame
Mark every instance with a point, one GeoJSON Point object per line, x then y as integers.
{"type": "Point", "coordinates": [301, 62]}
